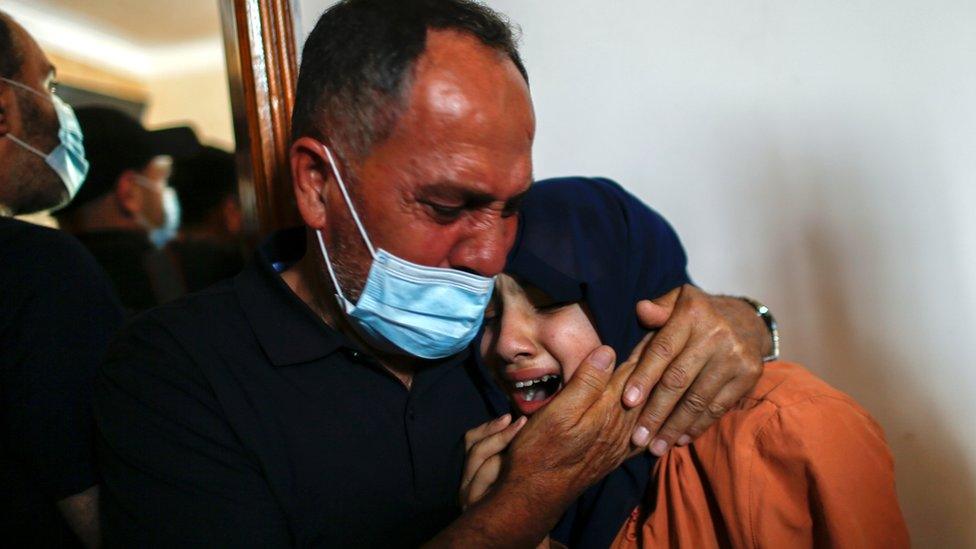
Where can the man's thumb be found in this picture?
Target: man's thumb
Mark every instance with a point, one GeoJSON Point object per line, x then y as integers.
{"type": "Point", "coordinates": [654, 314]}
{"type": "Point", "coordinates": [590, 379]}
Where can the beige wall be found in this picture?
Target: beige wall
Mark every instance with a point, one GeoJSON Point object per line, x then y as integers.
{"type": "Point", "coordinates": [84, 74]}
{"type": "Point", "coordinates": [174, 64]}
{"type": "Point", "coordinates": [200, 98]}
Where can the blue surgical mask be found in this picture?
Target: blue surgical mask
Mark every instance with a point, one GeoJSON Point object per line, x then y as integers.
{"type": "Point", "coordinates": [68, 158]}
{"type": "Point", "coordinates": [405, 308]}
{"type": "Point", "coordinates": [162, 235]}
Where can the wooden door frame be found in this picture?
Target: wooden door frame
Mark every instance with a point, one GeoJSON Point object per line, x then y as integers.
{"type": "Point", "coordinates": [262, 67]}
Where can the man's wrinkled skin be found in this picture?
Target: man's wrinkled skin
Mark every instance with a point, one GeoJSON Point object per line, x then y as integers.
{"type": "Point", "coordinates": [706, 355]}
{"type": "Point", "coordinates": [27, 185]}
{"type": "Point", "coordinates": [442, 190]}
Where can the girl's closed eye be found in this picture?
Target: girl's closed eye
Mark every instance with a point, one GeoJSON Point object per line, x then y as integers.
{"type": "Point", "coordinates": [493, 311]}
{"type": "Point", "coordinates": [533, 343]}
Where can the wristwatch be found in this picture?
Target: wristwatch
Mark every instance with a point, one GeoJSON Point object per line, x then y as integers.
{"type": "Point", "coordinates": [764, 313]}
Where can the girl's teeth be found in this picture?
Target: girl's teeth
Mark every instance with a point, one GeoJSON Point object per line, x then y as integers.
{"type": "Point", "coordinates": [531, 382]}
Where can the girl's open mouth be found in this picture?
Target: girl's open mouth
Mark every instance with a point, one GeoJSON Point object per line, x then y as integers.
{"type": "Point", "coordinates": [531, 393]}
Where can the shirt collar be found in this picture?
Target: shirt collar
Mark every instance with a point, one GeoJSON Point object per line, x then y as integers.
{"type": "Point", "coordinates": [286, 328]}
{"type": "Point", "coordinates": [290, 333]}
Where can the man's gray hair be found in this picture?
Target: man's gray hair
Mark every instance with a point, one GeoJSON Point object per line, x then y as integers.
{"type": "Point", "coordinates": [356, 65]}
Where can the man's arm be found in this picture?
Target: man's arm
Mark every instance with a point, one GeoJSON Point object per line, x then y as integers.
{"type": "Point", "coordinates": [706, 356]}
{"type": "Point", "coordinates": [81, 513]}
{"type": "Point", "coordinates": [707, 352]}
{"type": "Point", "coordinates": [583, 434]}
{"type": "Point", "coordinates": [577, 439]}
{"type": "Point", "coordinates": [66, 312]}
{"type": "Point", "coordinates": [173, 471]}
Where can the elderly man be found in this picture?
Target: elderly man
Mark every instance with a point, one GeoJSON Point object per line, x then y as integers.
{"type": "Point", "coordinates": [321, 397]}
{"type": "Point", "coordinates": [57, 313]}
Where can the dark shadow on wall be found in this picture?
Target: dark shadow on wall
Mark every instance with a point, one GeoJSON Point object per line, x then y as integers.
{"type": "Point", "coordinates": [936, 483]}
{"type": "Point", "coordinates": [831, 277]}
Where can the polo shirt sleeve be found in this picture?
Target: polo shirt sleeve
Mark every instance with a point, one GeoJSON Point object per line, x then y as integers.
{"type": "Point", "coordinates": [61, 313]}
{"type": "Point", "coordinates": [174, 473]}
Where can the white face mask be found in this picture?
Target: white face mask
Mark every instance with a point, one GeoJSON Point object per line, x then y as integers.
{"type": "Point", "coordinates": [166, 232]}
{"type": "Point", "coordinates": [405, 308]}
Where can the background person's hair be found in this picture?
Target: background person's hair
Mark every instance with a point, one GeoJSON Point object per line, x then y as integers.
{"type": "Point", "coordinates": [11, 54]}
{"type": "Point", "coordinates": [203, 182]}
{"type": "Point", "coordinates": [357, 60]}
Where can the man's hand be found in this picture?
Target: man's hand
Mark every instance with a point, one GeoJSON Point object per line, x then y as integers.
{"type": "Point", "coordinates": [706, 356]}
{"type": "Point", "coordinates": [579, 437]}
{"type": "Point", "coordinates": [571, 443]}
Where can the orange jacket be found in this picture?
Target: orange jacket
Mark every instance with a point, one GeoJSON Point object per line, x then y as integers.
{"type": "Point", "coordinates": [796, 464]}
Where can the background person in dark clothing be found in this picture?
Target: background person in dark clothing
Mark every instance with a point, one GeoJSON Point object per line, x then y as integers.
{"type": "Point", "coordinates": [57, 312]}
{"type": "Point", "coordinates": [126, 212]}
{"type": "Point", "coordinates": [208, 248]}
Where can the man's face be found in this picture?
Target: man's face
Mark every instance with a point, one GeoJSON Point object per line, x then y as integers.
{"type": "Point", "coordinates": [152, 181]}
{"type": "Point", "coordinates": [443, 188]}
{"type": "Point", "coordinates": [27, 184]}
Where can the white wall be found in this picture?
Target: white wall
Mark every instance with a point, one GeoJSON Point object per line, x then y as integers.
{"type": "Point", "coordinates": [819, 155]}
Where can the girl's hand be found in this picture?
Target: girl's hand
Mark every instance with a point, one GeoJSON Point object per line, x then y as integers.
{"type": "Point", "coordinates": [484, 445]}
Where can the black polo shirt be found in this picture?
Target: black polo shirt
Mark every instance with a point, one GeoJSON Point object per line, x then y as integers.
{"type": "Point", "coordinates": [236, 417]}
{"type": "Point", "coordinates": [122, 254]}
{"type": "Point", "coordinates": [57, 314]}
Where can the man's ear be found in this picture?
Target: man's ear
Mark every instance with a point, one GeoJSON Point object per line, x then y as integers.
{"type": "Point", "coordinates": [127, 195]}
{"type": "Point", "coordinates": [310, 175]}
{"type": "Point", "coordinates": [231, 217]}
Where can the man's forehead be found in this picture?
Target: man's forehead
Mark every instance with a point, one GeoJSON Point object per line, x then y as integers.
{"type": "Point", "coordinates": [474, 191]}
{"type": "Point", "coordinates": [36, 62]}
{"type": "Point", "coordinates": [461, 82]}
{"type": "Point", "coordinates": [466, 132]}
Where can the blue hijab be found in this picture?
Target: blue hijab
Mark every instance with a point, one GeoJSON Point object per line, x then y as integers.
{"type": "Point", "coordinates": [587, 239]}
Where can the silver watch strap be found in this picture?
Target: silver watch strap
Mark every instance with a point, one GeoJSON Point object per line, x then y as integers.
{"type": "Point", "coordinates": [766, 315]}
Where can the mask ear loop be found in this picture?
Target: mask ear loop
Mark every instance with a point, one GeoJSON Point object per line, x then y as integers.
{"type": "Point", "coordinates": [14, 138]}
{"type": "Point", "coordinates": [23, 144]}
{"type": "Point", "coordinates": [352, 209]}
{"type": "Point", "coordinates": [23, 86]}
{"type": "Point", "coordinates": [340, 296]}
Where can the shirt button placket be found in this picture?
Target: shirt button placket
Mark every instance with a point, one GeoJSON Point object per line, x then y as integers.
{"type": "Point", "coordinates": [411, 427]}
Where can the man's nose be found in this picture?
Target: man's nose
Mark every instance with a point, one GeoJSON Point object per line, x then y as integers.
{"type": "Point", "coordinates": [484, 249]}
